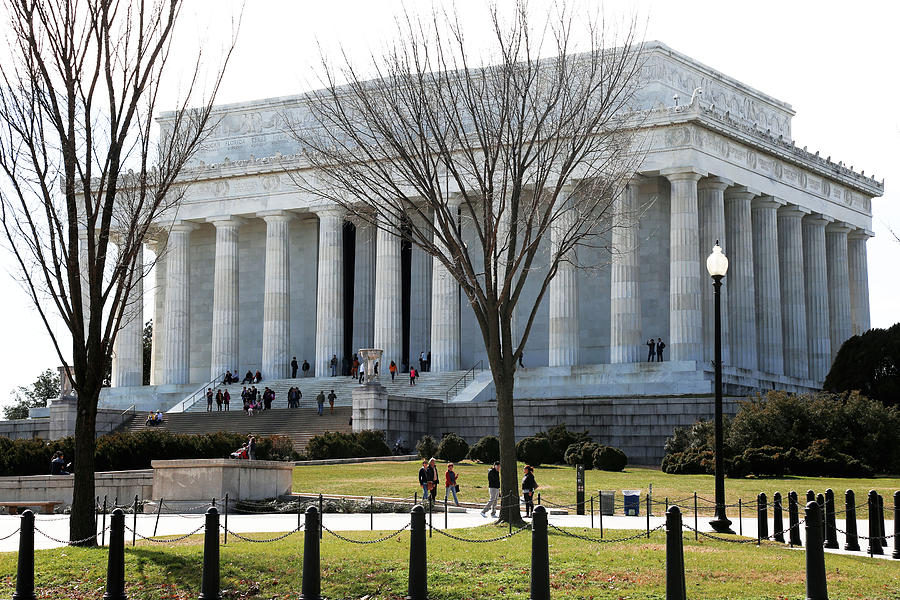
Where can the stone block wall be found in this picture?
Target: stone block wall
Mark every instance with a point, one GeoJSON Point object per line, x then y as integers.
{"type": "Point", "coordinates": [27, 429]}
{"type": "Point", "coordinates": [124, 485]}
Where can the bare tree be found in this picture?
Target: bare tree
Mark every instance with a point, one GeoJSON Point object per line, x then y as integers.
{"type": "Point", "coordinates": [533, 147]}
{"type": "Point", "coordinates": [87, 177]}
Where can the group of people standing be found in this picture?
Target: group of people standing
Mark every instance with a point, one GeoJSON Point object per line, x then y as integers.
{"type": "Point", "coordinates": [320, 401]}
{"type": "Point", "coordinates": [429, 482]}
{"type": "Point", "coordinates": [656, 349]}
{"type": "Point", "coordinates": [222, 397]}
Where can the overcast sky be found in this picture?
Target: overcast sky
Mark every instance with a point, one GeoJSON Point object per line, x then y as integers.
{"type": "Point", "coordinates": [836, 63]}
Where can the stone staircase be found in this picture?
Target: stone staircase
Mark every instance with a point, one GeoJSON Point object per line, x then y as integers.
{"type": "Point", "coordinates": [428, 385]}
{"type": "Point", "coordinates": [298, 424]}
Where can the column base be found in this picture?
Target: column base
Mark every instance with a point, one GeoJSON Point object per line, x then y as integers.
{"type": "Point", "coordinates": [721, 525]}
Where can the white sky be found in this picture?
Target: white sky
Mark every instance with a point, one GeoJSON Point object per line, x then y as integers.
{"type": "Point", "coordinates": [836, 63]}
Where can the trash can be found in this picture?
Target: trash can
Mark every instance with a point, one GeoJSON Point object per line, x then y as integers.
{"type": "Point", "coordinates": [632, 502]}
{"type": "Point", "coordinates": [607, 502]}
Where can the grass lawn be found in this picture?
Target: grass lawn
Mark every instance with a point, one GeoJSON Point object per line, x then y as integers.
{"type": "Point", "coordinates": [557, 483]}
{"type": "Point", "coordinates": [457, 570]}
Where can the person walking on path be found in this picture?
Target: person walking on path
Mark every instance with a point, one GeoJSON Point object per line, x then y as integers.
{"type": "Point", "coordinates": [305, 368]}
{"type": "Point", "coordinates": [251, 447]}
{"type": "Point", "coordinates": [393, 369]}
{"type": "Point", "coordinates": [494, 488]}
{"type": "Point", "coordinates": [651, 356]}
{"type": "Point", "coordinates": [412, 375]}
{"type": "Point", "coordinates": [528, 487]}
{"type": "Point", "coordinates": [450, 478]}
{"type": "Point", "coordinates": [423, 481]}
{"type": "Point", "coordinates": [209, 399]}
{"type": "Point", "coordinates": [333, 363]}
{"type": "Point", "coordinates": [294, 368]}
{"type": "Point", "coordinates": [320, 402]}
{"type": "Point", "coordinates": [226, 399]}
{"type": "Point", "coordinates": [660, 346]}
{"type": "Point", "coordinates": [431, 474]}
{"type": "Point", "coordinates": [331, 398]}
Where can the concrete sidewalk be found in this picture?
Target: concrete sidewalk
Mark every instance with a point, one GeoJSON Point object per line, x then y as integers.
{"type": "Point", "coordinates": [172, 525]}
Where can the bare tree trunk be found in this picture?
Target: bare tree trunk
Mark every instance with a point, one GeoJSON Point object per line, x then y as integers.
{"type": "Point", "coordinates": [82, 523]}
{"type": "Point", "coordinates": [509, 473]}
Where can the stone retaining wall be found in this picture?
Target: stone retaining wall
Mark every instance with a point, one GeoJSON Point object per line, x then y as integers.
{"type": "Point", "coordinates": [124, 485]}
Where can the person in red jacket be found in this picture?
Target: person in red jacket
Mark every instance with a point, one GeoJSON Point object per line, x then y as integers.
{"type": "Point", "coordinates": [450, 478]}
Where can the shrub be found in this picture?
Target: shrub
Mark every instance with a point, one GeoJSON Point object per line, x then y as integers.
{"type": "Point", "coordinates": [452, 448]}
{"type": "Point", "coordinates": [426, 447]}
{"type": "Point", "coordinates": [869, 363]}
{"type": "Point", "coordinates": [373, 442]}
{"type": "Point", "coordinates": [767, 461]}
{"type": "Point", "coordinates": [534, 450]}
{"type": "Point", "coordinates": [581, 453]}
{"type": "Point", "coordinates": [689, 462]}
{"type": "Point", "coordinates": [333, 444]}
{"type": "Point", "coordinates": [608, 458]}
{"type": "Point", "coordinates": [486, 450]}
{"type": "Point", "coordinates": [561, 438]}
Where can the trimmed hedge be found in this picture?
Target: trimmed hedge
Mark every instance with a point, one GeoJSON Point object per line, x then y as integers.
{"type": "Point", "coordinates": [426, 447]}
{"type": "Point", "coordinates": [486, 450]}
{"type": "Point", "coordinates": [581, 453]}
{"type": "Point", "coordinates": [124, 451]}
{"type": "Point", "coordinates": [609, 458]}
{"type": "Point", "coordinates": [560, 439]}
{"type": "Point", "coordinates": [357, 444]}
{"type": "Point", "coordinates": [452, 448]}
{"type": "Point", "coordinates": [534, 451]}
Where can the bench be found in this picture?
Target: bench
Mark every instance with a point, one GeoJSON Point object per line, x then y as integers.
{"type": "Point", "coordinates": [46, 506]}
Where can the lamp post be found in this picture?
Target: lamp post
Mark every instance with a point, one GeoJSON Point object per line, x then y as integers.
{"type": "Point", "coordinates": [717, 265]}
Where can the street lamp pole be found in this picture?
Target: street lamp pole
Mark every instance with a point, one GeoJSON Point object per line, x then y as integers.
{"type": "Point", "coordinates": [717, 265]}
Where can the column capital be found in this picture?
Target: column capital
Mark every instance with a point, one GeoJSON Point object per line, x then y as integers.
{"type": "Point", "coordinates": [817, 219]}
{"type": "Point", "coordinates": [276, 216]}
{"type": "Point", "coordinates": [793, 211]}
{"type": "Point", "coordinates": [329, 210]}
{"type": "Point", "coordinates": [768, 202]}
{"type": "Point", "coordinates": [183, 226]}
{"type": "Point", "coordinates": [226, 221]}
{"type": "Point", "coordinates": [714, 182]}
{"type": "Point", "coordinates": [838, 227]}
{"type": "Point", "coordinates": [683, 173]}
{"type": "Point", "coordinates": [860, 234]}
{"type": "Point", "coordinates": [739, 193]}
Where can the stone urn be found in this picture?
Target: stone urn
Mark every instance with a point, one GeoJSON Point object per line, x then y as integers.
{"type": "Point", "coordinates": [370, 358]}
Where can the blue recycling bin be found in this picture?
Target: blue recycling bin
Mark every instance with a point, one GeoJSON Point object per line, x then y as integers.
{"type": "Point", "coordinates": [632, 502]}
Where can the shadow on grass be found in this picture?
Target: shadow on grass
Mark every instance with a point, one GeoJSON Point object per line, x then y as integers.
{"type": "Point", "coordinates": [182, 570]}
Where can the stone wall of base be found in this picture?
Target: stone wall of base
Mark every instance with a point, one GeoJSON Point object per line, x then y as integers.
{"type": "Point", "coordinates": [639, 426]}
{"type": "Point", "coordinates": [124, 485]}
{"type": "Point", "coordinates": [27, 429]}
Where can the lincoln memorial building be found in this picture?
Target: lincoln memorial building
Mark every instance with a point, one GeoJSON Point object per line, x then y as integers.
{"type": "Point", "coordinates": [253, 272]}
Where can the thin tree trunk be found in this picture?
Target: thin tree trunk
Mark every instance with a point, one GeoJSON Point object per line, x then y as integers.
{"type": "Point", "coordinates": [509, 475]}
{"type": "Point", "coordinates": [81, 523]}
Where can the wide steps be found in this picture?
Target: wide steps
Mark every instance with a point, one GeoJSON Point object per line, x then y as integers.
{"type": "Point", "coordinates": [299, 424]}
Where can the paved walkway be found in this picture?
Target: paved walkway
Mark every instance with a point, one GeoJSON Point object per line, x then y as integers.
{"type": "Point", "coordinates": [171, 525]}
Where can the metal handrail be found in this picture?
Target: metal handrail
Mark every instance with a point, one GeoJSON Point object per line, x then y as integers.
{"type": "Point", "coordinates": [451, 391]}
{"type": "Point", "coordinates": [131, 408]}
{"type": "Point", "coordinates": [201, 390]}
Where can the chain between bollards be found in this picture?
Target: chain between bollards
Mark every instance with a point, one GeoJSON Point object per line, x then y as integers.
{"type": "Point", "coordinates": [311, 588]}
{"type": "Point", "coordinates": [418, 578]}
{"type": "Point", "coordinates": [540, 555]}
{"type": "Point", "coordinates": [115, 570]}
{"type": "Point", "coordinates": [816, 586]}
{"type": "Point", "coordinates": [675, 582]}
{"type": "Point", "coordinates": [25, 568]}
{"type": "Point", "coordinates": [209, 582]}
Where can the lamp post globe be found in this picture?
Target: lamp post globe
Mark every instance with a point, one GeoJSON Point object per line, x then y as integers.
{"type": "Point", "coordinates": [717, 266]}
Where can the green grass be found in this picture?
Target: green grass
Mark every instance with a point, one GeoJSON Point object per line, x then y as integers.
{"type": "Point", "coordinates": [457, 570]}
{"type": "Point", "coordinates": [557, 483]}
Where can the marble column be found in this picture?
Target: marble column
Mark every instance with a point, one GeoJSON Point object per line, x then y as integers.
{"type": "Point", "coordinates": [276, 336]}
{"type": "Point", "coordinates": [768, 293]}
{"type": "Point", "coordinates": [685, 317]}
{"type": "Point", "coordinates": [364, 287]}
{"type": "Point", "coordinates": [741, 306]}
{"type": "Point", "coordinates": [225, 318]}
{"type": "Point", "coordinates": [563, 294]}
{"type": "Point", "coordinates": [128, 350]}
{"type": "Point", "coordinates": [711, 199]}
{"type": "Point", "coordinates": [444, 306]}
{"type": "Point", "coordinates": [157, 339]}
{"type": "Point", "coordinates": [330, 290]}
{"type": "Point", "coordinates": [859, 281]}
{"type": "Point", "coordinates": [818, 336]}
{"type": "Point", "coordinates": [625, 342]}
{"type": "Point", "coordinates": [177, 353]}
{"type": "Point", "coordinates": [838, 285]}
{"type": "Point", "coordinates": [793, 291]}
{"type": "Point", "coordinates": [420, 280]}
{"type": "Point", "coordinates": [388, 295]}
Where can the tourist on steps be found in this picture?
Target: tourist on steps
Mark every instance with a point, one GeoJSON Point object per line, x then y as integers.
{"type": "Point", "coordinates": [393, 369]}
{"type": "Point", "coordinates": [651, 356]}
{"type": "Point", "coordinates": [226, 399]}
{"type": "Point", "coordinates": [528, 487]}
{"type": "Point", "coordinates": [209, 399]}
{"type": "Point", "coordinates": [333, 364]}
{"type": "Point", "coordinates": [248, 378]}
{"type": "Point", "coordinates": [320, 402]}
{"type": "Point", "coordinates": [331, 398]}
{"type": "Point", "coordinates": [294, 368]}
{"type": "Point", "coordinates": [660, 346]}
{"type": "Point", "coordinates": [305, 368]}
{"type": "Point", "coordinates": [218, 400]}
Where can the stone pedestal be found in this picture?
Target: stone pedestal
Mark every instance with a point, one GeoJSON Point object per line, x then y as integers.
{"type": "Point", "coordinates": [199, 480]}
{"type": "Point", "coordinates": [370, 407]}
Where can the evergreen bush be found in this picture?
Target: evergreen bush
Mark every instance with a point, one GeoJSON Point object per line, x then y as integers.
{"type": "Point", "coordinates": [534, 450]}
{"type": "Point", "coordinates": [426, 447]}
{"type": "Point", "coordinates": [452, 448]}
{"type": "Point", "coordinates": [486, 450]}
{"type": "Point", "coordinates": [608, 458]}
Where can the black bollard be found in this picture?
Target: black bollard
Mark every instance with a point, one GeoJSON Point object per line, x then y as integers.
{"type": "Point", "coordinates": [225, 529]}
{"type": "Point", "coordinates": [540, 555]}
{"type": "Point", "coordinates": [740, 516]}
{"type": "Point", "coordinates": [134, 524]}
{"type": "Point", "coordinates": [830, 522]}
{"type": "Point", "coordinates": [874, 539]}
{"type": "Point", "coordinates": [209, 583]}
{"type": "Point", "coordinates": [881, 531]}
{"type": "Point", "coordinates": [312, 576]}
{"type": "Point", "coordinates": [794, 519]}
{"type": "Point", "coordinates": [816, 586]}
{"type": "Point", "coordinates": [896, 552]}
{"type": "Point", "coordinates": [321, 516]}
{"type": "Point", "coordinates": [25, 569]}
{"type": "Point", "coordinates": [418, 563]}
{"type": "Point", "coordinates": [103, 529]}
{"type": "Point", "coordinates": [852, 542]}
{"type": "Point", "coordinates": [762, 517]}
{"type": "Point", "coordinates": [810, 496]}
{"type": "Point", "coordinates": [777, 518]}
{"type": "Point", "coordinates": [115, 570]}
{"type": "Point", "coordinates": [539, 498]}
{"type": "Point", "coordinates": [820, 500]}
{"type": "Point", "coordinates": [675, 583]}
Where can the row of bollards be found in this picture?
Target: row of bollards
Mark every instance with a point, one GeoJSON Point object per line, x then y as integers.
{"type": "Point", "coordinates": [819, 524]}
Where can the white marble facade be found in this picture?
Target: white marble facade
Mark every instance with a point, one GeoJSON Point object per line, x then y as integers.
{"type": "Point", "coordinates": [254, 272]}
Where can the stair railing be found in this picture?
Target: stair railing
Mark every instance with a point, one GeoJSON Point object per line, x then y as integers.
{"type": "Point", "coordinates": [462, 382]}
{"type": "Point", "coordinates": [201, 391]}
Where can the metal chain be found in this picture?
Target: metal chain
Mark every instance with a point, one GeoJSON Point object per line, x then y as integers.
{"type": "Point", "coordinates": [365, 542]}
{"type": "Point", "coordinates": [605, 540]}
{"type": "Point", "coordinates": [188, 508]}
{"type": "Point", "coordinates": [70, 543]}
{"type": "Point", "coordinates": [718, 538]}
{"type": "Point", "coordinates": [865, 537]}
{"type": "Point", "coordinates": [165, 540]}
{"type": "Point", "coordinates": [18, 529]}
{"type": "Point", "coordinates": [255, 541]}
{"type": "Point", "coordinates": [475, 541]}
